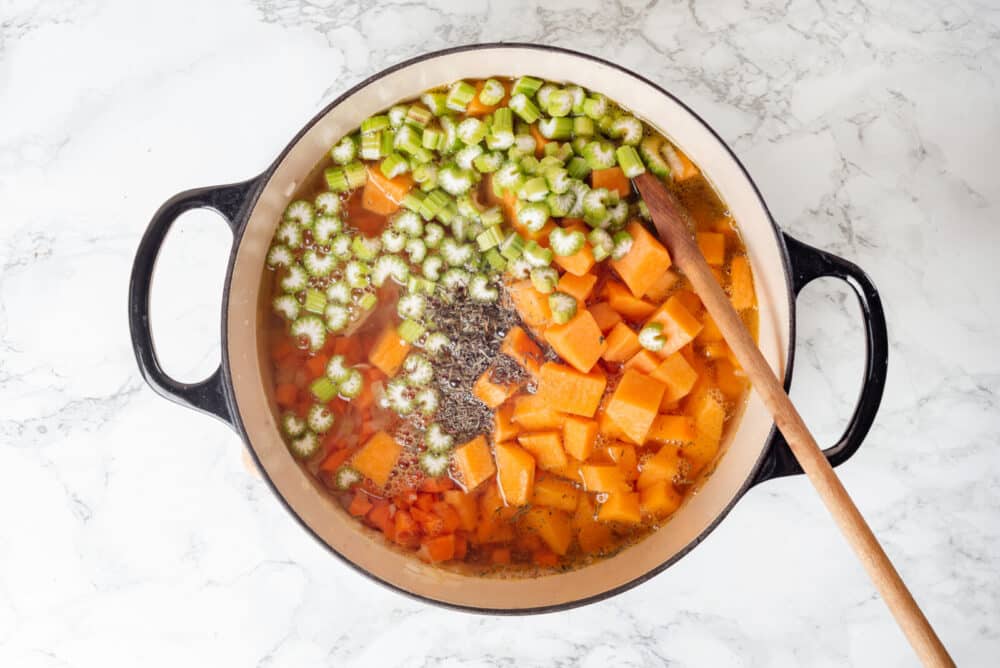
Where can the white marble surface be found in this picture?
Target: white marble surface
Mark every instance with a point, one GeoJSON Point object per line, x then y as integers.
{"type": "Point", "coordinates": [130, 531]}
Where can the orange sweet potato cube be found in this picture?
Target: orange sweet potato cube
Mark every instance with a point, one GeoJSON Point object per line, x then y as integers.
{"type": "Point", "coordinates": [579, 435]}
{"type": "Point", "coordinates": [547, 449]}
{"type": "Point", "coordinates": [621, 507]}
{"type": "Point", "coordinates": [677, 375]}
{"type": "Point", "coordinates": [605, 316]}
{"type": "Point", "coordinates": [474, 463]}
{"type": "Point", "coordinates": [579, 342]}
{"type": "Point", "coordinates": [679, 326]}
{"type": "Point", "coordinates": [568, 390]}
{"type": "Point", "coordinates": [645, 262]}
{"type": "Point", "coordinates": [623, 344]}
{"type": "Point", "coordinates": [515, 472]}
{"type": "Point", "coordinates": [377, 457]}
{"type": "Point", "coordinates": [660, 499]}
{"type": "Point", "coordinates": [634, 404]}
{"type": "Point", "coordinates": [713, 247]}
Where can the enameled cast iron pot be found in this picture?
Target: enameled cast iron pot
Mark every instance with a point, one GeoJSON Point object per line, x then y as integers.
{"type": "Point", "coordinates": [239, 391]}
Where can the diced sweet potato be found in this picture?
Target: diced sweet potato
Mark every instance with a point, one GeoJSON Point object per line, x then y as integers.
{"type": "Point", "coordinates": [516, 473]}
{"type": "Point", "coordinates": [625, 457]}
{"type": "Point", "coordinates": [577, 286]}
{"type": "Point", "coordinates": [377, 457]}
{"type": "Point", "coordinates": [520, 346]}
{"type": "Point", "coordinates": [713, 247]}
{"type": "Point", "coordinates": [504, 427]}
{"type": "Point", "coordinates": [579, 342]}
{"type": "Point", "coordinates": [490, 393]}
{"type": "Point", "coordinates": [553, 526]}
{"type": "Point", "coordinates": [580, 262]}
{"type": "Point", "coordinates": [547, 449]}
{"type": "Point", "coordinates": [579, 435]}
{"type": "Point", "coordinates": [626, 304]}
{"type": "Point", "coordinates": [533, 412]}
{"type": "Point", "coordinates": [623, 344]}
{"type": "Point", "coordinates": [621, 507]}
{"type": "Point", "coordinates": [700, 453]}
{"type": "Point", "coordinates": [605, 316]}
{"type": "Point", "coordinates": [671, 429]}
{"type": "Point", "coordinates": [465, 505]}
{"type": "Point", "coordinates": [612, 178]}
{"type": "Point", "coordinates": [678, 376]}
{"type": "Point", "coordinates": [643, 265]}
{"type": "Point", "coordinates": [603, 478]}
{"type": "Point", "coordinates": [555, 493]}
{"type": "Point", "coordinates": [741, 283]}
{"type": "Point", "coordinates": [643, 361]}
{"type": "Point", "coordinates": [474, 463]}
{"type": "Point", "coordinates": [389, 351]}
{"type": "Point", "coordinates": [708, 414]}
{"type": "Point", "coordinates": [660, 290]}
{"type": "Point", "coordinates": [568, 390]}
{"type": "Point", "coordinates": [665, 465]}
{"type": "Point", "coordinates": [531, 305]}
{"type": "Point", "coordinates": [732, 382]}
{"type": "Point", "coordinates": [660, 499]}
{"type": "Point", "coordinates": [634, 404]}
{"type": "Point", "coordinates": [679, 326]}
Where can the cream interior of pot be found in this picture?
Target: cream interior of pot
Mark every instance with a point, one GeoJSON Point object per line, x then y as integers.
{"type": "Point", "coordinates": [321, 513]}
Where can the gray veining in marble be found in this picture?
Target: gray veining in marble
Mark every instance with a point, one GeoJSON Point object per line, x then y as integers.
{"type": "Point", "coordinates": [132, 534]}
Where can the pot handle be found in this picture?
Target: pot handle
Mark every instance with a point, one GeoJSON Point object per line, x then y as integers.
{"type": "Point", "coordinates": [808, 264]}
{"type": "Point", "coordinates": [209, 395]}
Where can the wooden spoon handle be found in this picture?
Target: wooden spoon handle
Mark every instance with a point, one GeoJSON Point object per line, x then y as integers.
{"type": "Point", "coordinates": [666, 214]}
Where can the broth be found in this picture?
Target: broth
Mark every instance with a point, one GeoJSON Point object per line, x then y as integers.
{"type": "Point", "coordinates": [502, 416]}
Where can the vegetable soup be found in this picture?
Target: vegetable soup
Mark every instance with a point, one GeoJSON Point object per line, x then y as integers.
{"type": "Point", "coordinates": [477, 344]}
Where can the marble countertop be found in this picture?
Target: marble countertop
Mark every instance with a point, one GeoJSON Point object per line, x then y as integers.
{"type": "Point", "coordinates": [131, 531]}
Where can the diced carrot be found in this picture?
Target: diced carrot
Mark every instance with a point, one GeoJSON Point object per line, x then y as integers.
{"type": "Point", "coordinates": [545, 558]}
{"type": "Point", "coordinates": [335, 459]}
{"type": "Point", "coordinates": [623, 344]}
{"type": "Point", "coordinates": [380, 514]}
{"type": "Point", "coordinates": [700, 453]}
{"type": "Point", "coordinates": [430, 523]}
{"type": "Point", "coordinates": [504, 427]}
{"type": "Point", "coordinates": [531, 305]}
{"type": "Point", "coordinates": [520, 346]}
{"type": "Point", "coordinates": [435, 485]}
{"type": "Point", "coordinates": [540, 140]}
{"type": "Point", "coordinates": [474, 463]}
{"type": "Point", "coordinates": [383, 195]}
{"type": "Point", "coordinates": [621, 507]}
{"type": "Point", "coordinates": [681, 167]}
{"type": "Point", "coordinates": [509, 203]}
{"type": "Point", "coordinates": [465, 505]}
{"type": "Point", "coordinates": [579, 435]}
{"type": "Point", "coordinates": [389, 351]}
{"type": "Point", "coordinates": [439, 548]}
{"type": "Point", "coordinates": [516, 473]}
{"type": "Point", "coordinates": [643, 361]}
{"type": "Point", "coordinates": [713, 247]}
{"type": "Point", "coordinates": [579, 341]}
{"type": "Point", "coordinates": [490, 393]}
{"type": "Point", "coordinates": [627, 305]}
{"type": "Point", "coordinates": [603, 478]}
{"type": "Point", "coordinates": [732, 381]}
{"type": "Point", "coordinates": [660, 290]}
{"type": "Point", "coordinates": [659, 499]}
{"type": "Point", "coordinates": [449, 515]}
{"type": "Point", "coordinates": [677, 375]}
{"type": "Point", "coordinates": [578, 286]}
{"type": "Point", "coordinates": [605, 316]}
{"type": "Point", "coordinates": [406, 528]}
{"type": "Point", "coordinates": [665, 465]}
{"type": "Point", "coordinates": [546, 447]}
{"type": "Point", "coordinates": [642, 266]}
{"type": "Point", "coordinates": [477, 108]}
{"type": "Point", "coordinates": [555, 493]}
{"type": "Point", "coordinates": [281, 348]}
{"type": "Point", "coordinates": [741, 283]}
{"type": "Point", "coordinates": [286, 394]}
{"type": "Point", "coordinates": [528, 541]}
{"type": "Point", "coordinates": [568, 390]}
{"type": "Point", "coordinates": [376, 458]}
{"type": "Point", "coordinates": [360, 505]}
{"type": "Point", "coordinates": [671, 429]}
{"type": "Point", "coordinates": [580, 262]}
{"type": "Point", "coordinates": [595, 538]}
{"type": "Point", "coordinates": [551, 525]}
{"type": "Point", "coordinates": [500, 556]}
{"type": "Point", "coordinates": [625, 457]}
{"type": "Point", "coordinates": [533, 412]}
{"type": "Point", "coordinates": [461, 546]}
{"type": "Point", "coordinates": [634, 404]}
{"type": "Point", "coordinates": [316, 365]}
{"type": "Point", "coordinates": [612, 178]}
{"type": "Point", "coordinates": [679, 325]}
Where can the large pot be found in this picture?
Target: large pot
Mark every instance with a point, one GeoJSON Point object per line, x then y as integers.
{"type": "Point", "coordinates": [239, 391]}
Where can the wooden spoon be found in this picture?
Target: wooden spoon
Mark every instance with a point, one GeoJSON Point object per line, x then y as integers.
{"type": "Point", "coordinates": [666, 214]}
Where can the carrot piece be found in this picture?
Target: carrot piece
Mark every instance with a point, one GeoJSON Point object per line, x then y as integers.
{"type": "Point", "coordinates": [377, 457]}
{"type": "Point", "coordinates": [383, 195]}
{"type": "Point", "coordinates": [671, 429]}
{"type": "Point", "coordinates": [437, 549]}
{"type": "Point", "coordinates": [316, 365]}
{"type": "Point", "coordinates": [621, 507]}
{"type": "Point", "coordinates": [282, 348]}
{"type": "Point", "coordinates": [603, 478]}
{"type": "Point", "coordinates": [430, 523]}
{"type": "Point", "coordinates": [449, 515]}
{"type": "Point", "coordinates": [568, 390]}
{"type": "Point", "coordinates": [741, 283]}
{"type": "Point", "coordinates": [677, 375]}
{"type": "Point", "coordinates": [644, 263]}
{"type": "Point", "coordinates": [465, 505]}
{"type": "Point", "coordinates": [545, 558]}
{"type": "Point", "coordinates": [531, 305]}
{"type": "Point", "coordinates": [664, 466]}
{"type": "Point", "coordinates": [500, 556]}
{"type": "Point", "coordinates": [490, 393]}
{"type": "Point", "coordinates": [579, 341]}
{"type": "Point", "coordinates": [389, 351]}
{"type": "Point", "coordinates": [580, 262]}
{"type": "Point", "coordinates": [516, 473]}
{"type": "Point", "coordinates": [380, 515]}
{"type": "Point", "coordinates": [504, 427]}
{"type": "Point", "coordinates": [578, 286]}
{"type": "Point", "coordinates": [435, 485]}
{"type": "Point", "coordinates": [360, 505]}
{"type": "Point", "coordinates": [712, 246]}
{"type": "Point", "coordinates": [659, 499]}
{"type": "Point", "coordinates": [605, 316]}
{"type": "Point", "coordinates": [732, 381]}
{"type": "Point", "coordinates": [477, 108]}
{"type": "Point", "coordinates": [551, 525]}
{"type": "Point", "coordinates": [518, 345]}
{"type": "Point", "coordinates": [612, 178]}
{"type": "Point", "coordinates": [461, 546]}
{"type": "Point", "coordinates": [555, 493]}
{"type": "Point", "coordinates": [679, 325]}
{"type": "Point", "coordinates": [547, 449]}
{"type": "Point", "coordinates": [634, 404]}
{"type": "Point", "coordinates": [407, 531]}
{"type": "Point", "coordinates": [660, 290]}
{"type": "Point", "coordinates": [286, 394]}
{"type": "Point", "coordinates": [623, 344]}
{"type": "Point", "coordinates": [335, 459]}
{"type": "Point", "coordinates": [534, 413]}
{"type": "Point", "coordinates": [474, 463]}
{"type": "Point", "coordinates": [627, 305]}
{"type": "Point", "coordinates": [579, 435]}
{"type": "Point", "coordinates": [540, 140]}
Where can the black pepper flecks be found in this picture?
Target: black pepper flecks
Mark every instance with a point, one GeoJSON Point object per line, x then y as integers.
{"type": "Point", "coordinates": [474, 332]}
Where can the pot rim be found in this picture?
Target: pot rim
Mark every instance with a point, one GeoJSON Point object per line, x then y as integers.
{"type": "Point", "coordinates": [256, 186]}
